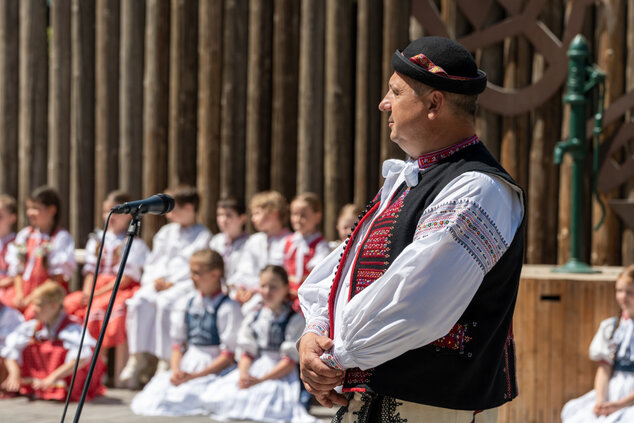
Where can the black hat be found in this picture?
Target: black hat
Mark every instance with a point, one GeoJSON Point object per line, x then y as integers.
{"type": "Point", "coordinates": [441, 63]}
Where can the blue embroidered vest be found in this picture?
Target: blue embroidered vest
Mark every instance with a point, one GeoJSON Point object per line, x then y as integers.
{"type": "Point", "coordinates": [201, 328]}
{"type": "Point", "coordinates": [277, 330]}
{"type": "Point", "coordinates": [473, 366]}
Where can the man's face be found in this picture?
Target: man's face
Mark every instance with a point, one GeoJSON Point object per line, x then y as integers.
{"type": "Point", "coordinates": [407, 114]}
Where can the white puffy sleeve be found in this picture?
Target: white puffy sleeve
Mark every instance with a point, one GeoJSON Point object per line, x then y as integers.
{"type": "Point", "coordinates": [294, 331]}
{"type": "Point", "coordinates": [228, 324]}
{"type": "Point", "coordinates": [71, 337]}
{"type": "Point", "coordinates": [15, 251]}
{"type": "Point", "coordinates": [154, 266]}
{"type": "Point", "coordinates": [61, 258]}
{"type": "Point", "coordinates": [136, 260]}
{"type": "Point", "coordinates": [600, 346]}
{"type": "Point", "coordinates": [247, 272]}
{"type": "Point", "coordinates": [17, 340]}
{"type": "Point", "coordinates": [247, 342]}
{"type": "Point", "coordinates": [321, 252]}
{"type": "Point", "coordinates": [10, 319]}
{"type": "Point", "coordinates": [314, 292]}
{"type": "Point", "coordinates": [178, 326]}
{"type": "Point", "coordinates": [419, 298]}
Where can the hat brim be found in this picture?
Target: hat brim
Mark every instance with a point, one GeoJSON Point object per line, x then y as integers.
{"type": "Point", "coordinates": [470, 86]}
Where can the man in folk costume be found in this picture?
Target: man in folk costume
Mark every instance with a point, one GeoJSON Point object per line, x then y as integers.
{"type": "Point", "coordinates": [411, 316]}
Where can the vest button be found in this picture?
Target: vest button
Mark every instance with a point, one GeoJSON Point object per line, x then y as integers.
{"type": "Point", "coordinates": [469, 355]}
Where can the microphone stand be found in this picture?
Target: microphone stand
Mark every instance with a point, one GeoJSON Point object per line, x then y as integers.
{"type": "Point", "coordinates": [133, 230]}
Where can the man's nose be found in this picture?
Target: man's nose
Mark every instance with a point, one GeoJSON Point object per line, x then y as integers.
{"type": "Point", "coordinates": [385, 105]}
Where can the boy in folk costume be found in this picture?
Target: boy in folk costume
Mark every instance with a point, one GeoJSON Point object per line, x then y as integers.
{"type": "Point", "coordinates": [269, 214]}
{"type": "Point", "coordinates": [306, 247]}
{"type": "Point", "coordinates": [40, 354]}
{"type": "Point", "coordinates": [8, 217]}
{"type": "Point", "coordinates": [231, 217]}
{"type": "Point", "coordinates": [165, 279]}
{"type": "Point", "coordinates": [412, 316]}
{"type": "Point", "coordinates": [76, 303]}
{"type": "Point", "coordinates": [204, 333]}
{"type": "Point", "coordinates": [40, 251]}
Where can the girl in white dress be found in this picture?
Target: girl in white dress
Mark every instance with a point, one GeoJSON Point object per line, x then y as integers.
{"type": "Point", "coordinates": [204, 330]}
{"type": "Point", "coordinates": [265, 386]}
{"type": "Point", "coordinates": [612, 399]}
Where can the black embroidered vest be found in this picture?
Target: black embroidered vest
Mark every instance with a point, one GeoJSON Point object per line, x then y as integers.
{"type": "Point", "coordinates": [473, 366]}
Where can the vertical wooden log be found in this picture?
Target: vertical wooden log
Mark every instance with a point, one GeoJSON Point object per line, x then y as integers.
{"type": "Point", "coordinates": [490, 59]}
{"type": "Point", "coordinates": [259, 95]}
{"type": "Point", "coordinates": [368, 95]}
{"type": "Point", "coordinates": [155, 105]}
{"type": "Point", "coordinates": [59, 104]}
{"type": "Point", "coordinates": [131, 97]}
{"type": "Point", "coordinates": [183, 92]}
{"type": "Point", "coordinates": [627, 245]}
{"type": "Point", "coordinates": [9, 42]}
{"type": "Point", "coordinates": [234, 83]}
{"type": "Point", "coordinates": [106, 101]}
{"type": "Point", "coordinates": [395, 36]}
{"type": "Point", "coordinates": [82, 118]}
{"type": "Point", "coordinates": [32, 123]}
{"type": "Point", "coordinates": [209, 80]}
{"type": "Point", "coordinates": [310, 119]}
{"type": "Point", "coordinates": [606, 244]}
{"type": "Point", "coordinates": [338, 116]}
{"type": "Point", "coordinates": [543, 173]}
{"type": "Point", "coordinates": [284, 113]}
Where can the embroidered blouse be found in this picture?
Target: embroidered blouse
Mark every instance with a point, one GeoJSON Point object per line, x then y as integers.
{"type": "Point", "coordinates": [172, 246]}
{"type": "Point", "coordinates": [111, 255]}
{"type": "Point", "coordinates": [428, 286]}
{"type": "Point", "coordinates": [70, 337]}
{"type": "Point", "coordinates": [60, 251]}
{"type": "Point", "coordinates": [299, 249]}
{"type": "Point", "coordinates": [227, 321]}
{"type": "Point", "coordinates": [254, 334]}
{"type": "Point", "coordinates": [259, 251]}
{"type": "Point", "coordinates": [614, 345]}
{"type": "Point", "coordinates": [231, 251]}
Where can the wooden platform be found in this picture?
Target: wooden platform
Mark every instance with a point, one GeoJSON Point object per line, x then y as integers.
{"type": "Point", "coordinates": [556, 317]}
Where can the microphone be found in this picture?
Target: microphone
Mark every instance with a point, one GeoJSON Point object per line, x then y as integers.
{"type": "Point", "coordinates": [156, 204]}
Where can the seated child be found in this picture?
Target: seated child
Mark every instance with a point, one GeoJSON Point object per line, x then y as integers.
{"type": "Point", "coordinates": [76, 303]}
{"type": "Point", "coordinates": [348, 215]}
{"type": "Point", "coordinates": [40, 251]}
{"type": "Point", "coordinates": [612, 399]}
{"type": "Point", "coordinates": [204, 332]}
{"type": "Point", "coordinates": [265, 386]}
{"type": "Point", "coordinates": [40, 354]}
{"type": "Point", "coordinates": [10, 319]}
{"type": "Point", "coordinates": [306, 247]}
{"type": "Point", "coordinates": [269, 213]}
{"type": "Point", "coordinates": [165, 279]}
{"type": "Point", "coordinates": [8, 217]}
{"type": "Point", "coordinates": [231, 217]}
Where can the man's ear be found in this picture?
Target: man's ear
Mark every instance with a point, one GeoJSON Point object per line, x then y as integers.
{"type": "Point", "coordinates": [436, 101]}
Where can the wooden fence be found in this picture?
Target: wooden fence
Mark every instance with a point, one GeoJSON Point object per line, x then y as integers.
{"type": "Point", "coordinates": [238, 96]}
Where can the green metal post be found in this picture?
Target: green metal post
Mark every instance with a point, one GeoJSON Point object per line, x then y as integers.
{"type": "Point", "coordinates": [575, 146]}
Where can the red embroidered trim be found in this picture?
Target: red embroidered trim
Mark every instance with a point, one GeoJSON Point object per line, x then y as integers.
{"type": "Point", "coordinates": [357, 376]}
{"type": "Point", "coordinates": [455, 339]}
{"type": "Point", "coordinates": [426, 63]}
{"type": "Point", "coordinates": [426, 160]}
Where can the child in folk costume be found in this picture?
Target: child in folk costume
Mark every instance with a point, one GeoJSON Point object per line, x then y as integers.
{"type": "Point", "coordinates": [204, 332]}
{"type": "Point", "coordinates": [40, 354]}
{"type": "Point", "coordinates": [10, 319]}
{"type": "Point", "coordinates": [231, 217]}
{"type": "Point", "coordinates": [306, 247]}
{"type": "Point", "coordinates": [8, 217]}
{"type": "Point", "coordinates": [348, 216]}
{"type": "Point", "coordinates": [269, 214]}
{"type": "Point", "coordinates": [76, 303]}
{"type": "Point", "coordinates": [612, 399]}
{"type": "Point", "coordinates": [165, 279]}
{"type": "Point", "coordinates": [265, 386]}
{"type": "Point", "coordinates": [40, 251]}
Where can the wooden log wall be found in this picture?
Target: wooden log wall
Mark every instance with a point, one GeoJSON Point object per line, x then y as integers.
{"type": "Point", "coordinates": [239, 96]}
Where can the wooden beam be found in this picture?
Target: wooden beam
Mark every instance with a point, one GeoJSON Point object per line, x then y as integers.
{"type": "Point", "coordinates": [131, 98]}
